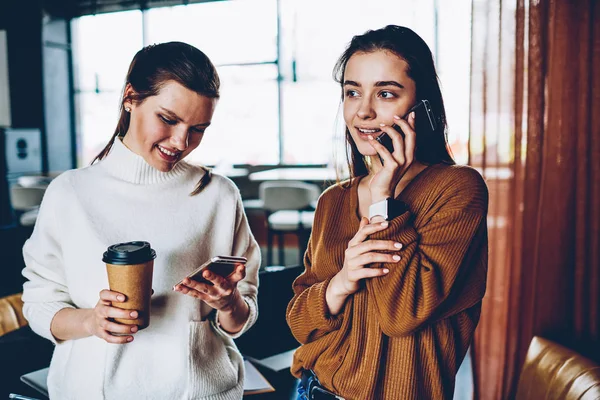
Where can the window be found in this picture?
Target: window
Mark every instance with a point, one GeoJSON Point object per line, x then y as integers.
{"type": "Point", "coordinates": [279, 103]}
{"type": "Point", "coordinates": [245, 125]}
{"type": "Point", "coordinates": [101, 62]}
{"type": "Point", "coordinates": [314, 34]}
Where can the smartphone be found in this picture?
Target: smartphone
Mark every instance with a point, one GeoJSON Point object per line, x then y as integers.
{"type": "Point", "coordinates": [384, 138]}
{"type": "Point", "coordinates": [220, 265]}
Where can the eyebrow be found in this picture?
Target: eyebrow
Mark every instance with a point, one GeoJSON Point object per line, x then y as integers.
{"type": "Point", "coordinates": [176, 117]}
{"type": "Point", "coordinates": [377, 84]}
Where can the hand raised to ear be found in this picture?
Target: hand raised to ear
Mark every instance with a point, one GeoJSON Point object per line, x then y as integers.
{"type": "Point", "coordinates": [396, 163]}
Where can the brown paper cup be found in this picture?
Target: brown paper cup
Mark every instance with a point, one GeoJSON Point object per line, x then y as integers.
{"type": "Point", "coordinates": [135, 282]}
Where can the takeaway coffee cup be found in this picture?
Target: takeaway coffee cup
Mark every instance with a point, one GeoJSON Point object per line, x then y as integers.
{"type": "Point", "coordinates": [129, 267]}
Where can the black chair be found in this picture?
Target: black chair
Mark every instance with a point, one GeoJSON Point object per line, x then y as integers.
{"type": "Point", "coordinates": [22, 351]}
{"type": "Point", "coordinates": [271, 334]}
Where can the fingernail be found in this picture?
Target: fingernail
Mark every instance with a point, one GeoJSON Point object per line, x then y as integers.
{"type": "Point", "coordinates": [133, 314]}
{"type": "Point", "coordinates": [370, 137]}
{"type": "Point", "coordinates": [396, 117]}
{"type": "Point", "coordinates": [130, 339]}
{"type": "Point", "coordinates": [134, 329]}
{"type": "Point", "coordinates": [384, 223]}
{"type": "Point", "coordinates": [412, 115]}
{"type": "Point", "coordinates": [381, 124]}
{"type": "Point", "coordinates": [121, 297]}
{"type": "Point", "coordinates": [385, 270]}
{"type": "Point", "coordinates": [174, 287]}
{"type": "Point", "coordinates": [396, 258]}
{"type": "Point", "coordinates": [398, 245]}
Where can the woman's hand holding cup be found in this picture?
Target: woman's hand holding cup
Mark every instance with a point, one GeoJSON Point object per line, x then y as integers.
{"type": "Point", "coordinates": [99, 321]}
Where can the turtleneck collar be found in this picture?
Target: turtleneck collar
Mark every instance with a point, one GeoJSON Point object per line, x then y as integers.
{"type": "Point", "coordinates": [129, 166]}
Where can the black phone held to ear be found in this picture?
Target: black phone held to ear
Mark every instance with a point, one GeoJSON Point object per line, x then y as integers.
{"type": "Point", "coordinates": [386, 141]}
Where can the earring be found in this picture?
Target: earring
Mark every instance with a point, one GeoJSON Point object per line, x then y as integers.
{"type": "Point", "coordinates": [127, 109]}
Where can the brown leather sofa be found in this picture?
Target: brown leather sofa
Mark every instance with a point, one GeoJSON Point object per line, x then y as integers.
{"type": "Point", "coordinates": [553, 372]}
{"type": "Point", "coordinates": [11, 313]}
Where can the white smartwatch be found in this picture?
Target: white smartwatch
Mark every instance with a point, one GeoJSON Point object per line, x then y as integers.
{"type": "Point", "coordinates": [388, 209]}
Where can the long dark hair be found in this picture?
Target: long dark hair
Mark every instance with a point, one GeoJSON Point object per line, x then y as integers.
{"type": "Point", "coordinates": [151, 68]}
{"type": "Point", "coordinates": [431, 146]}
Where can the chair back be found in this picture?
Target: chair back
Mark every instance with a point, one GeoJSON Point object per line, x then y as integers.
{"type": "Point", "coordinates": [553, 372]}
{"type": "Point", "coordinates": [11, 313]}
{"type": "Point", "coordinates": [26, 198]}
{"type": "Point", "coordinates": [288, 195]}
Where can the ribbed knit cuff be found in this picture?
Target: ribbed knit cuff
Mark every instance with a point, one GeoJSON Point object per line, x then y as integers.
{"type": "Point", "coordinates": [249, 322]}
{"type": "Point", "coordinates": [40, 316]}
{"type": "Point", "coordinates": [320, 315]}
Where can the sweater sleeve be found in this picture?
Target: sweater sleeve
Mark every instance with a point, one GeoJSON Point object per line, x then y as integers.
{"type": "Point", "coordinates": [45, 292]}
{"type": "Point", "coordinates": [307, 313]}
{"type": "Point", "coordinates": [443, 266]}
{"type": "Point", "coordinates": [245, 245]}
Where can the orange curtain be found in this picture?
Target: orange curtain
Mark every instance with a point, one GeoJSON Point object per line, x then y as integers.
{"type": "Point", "coordinates": [535, 135]}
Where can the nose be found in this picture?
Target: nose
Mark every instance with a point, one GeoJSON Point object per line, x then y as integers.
{"type": "Point", "coordinates": [180, 139]}
{"type": "Point", "coordinates": [366, 111]}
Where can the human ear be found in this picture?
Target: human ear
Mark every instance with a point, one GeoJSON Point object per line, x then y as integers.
{"type": "Point", "coordinates": [128, 96]}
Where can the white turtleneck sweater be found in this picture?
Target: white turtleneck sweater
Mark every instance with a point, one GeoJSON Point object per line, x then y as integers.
{"type": "Point", "coordinates": [183, 354]}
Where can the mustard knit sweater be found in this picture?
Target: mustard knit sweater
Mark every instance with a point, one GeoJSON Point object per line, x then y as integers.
{"type": "Point", "coordinates": [403, 335]}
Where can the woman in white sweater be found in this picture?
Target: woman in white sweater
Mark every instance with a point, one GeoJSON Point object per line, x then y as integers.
{"type": "Point", "coordinates": [140, 188]}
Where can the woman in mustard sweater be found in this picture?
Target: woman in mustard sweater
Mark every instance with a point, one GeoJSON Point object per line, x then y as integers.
{"type": "Point", "coordinates": [397, 261]}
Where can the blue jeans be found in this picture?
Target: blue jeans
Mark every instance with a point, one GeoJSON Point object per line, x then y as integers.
{"type": "Point", "coordinates": [310, 381]}
{"type": "Point", "coordinates": [302, 394]}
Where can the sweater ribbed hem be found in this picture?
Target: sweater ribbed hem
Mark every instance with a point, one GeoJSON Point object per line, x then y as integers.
{"type": "Point", "coordinates": [42, 320]}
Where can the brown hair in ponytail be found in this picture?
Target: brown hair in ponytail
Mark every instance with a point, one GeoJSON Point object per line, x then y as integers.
{"type": "Point", "coordinates": [155, 65]}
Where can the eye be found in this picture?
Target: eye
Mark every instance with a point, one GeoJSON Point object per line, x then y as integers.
{"type": "Point", "coordinates": [198, 130]}
{"type": "Point", "coordinates": [351, 93]}
{"type": "Point", "coordinates": [166, 120]}
{"type": "Point", "coordinates": [387, 94]}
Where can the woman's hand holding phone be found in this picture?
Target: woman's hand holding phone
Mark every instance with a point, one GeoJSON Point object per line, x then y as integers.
{"type": "Point", "coordinates": [222, 295]}
{"type": "Point", "coordinates": [396, 163]}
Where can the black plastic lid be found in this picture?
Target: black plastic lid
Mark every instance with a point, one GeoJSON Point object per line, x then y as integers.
{"type": "Point", "coordinates": [129, 253]}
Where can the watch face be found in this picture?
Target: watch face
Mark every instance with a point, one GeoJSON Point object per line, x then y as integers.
{"type": "Point", "coordinates": [380, 208]}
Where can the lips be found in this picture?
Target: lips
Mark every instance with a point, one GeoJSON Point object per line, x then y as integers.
{"type": "Point", "coordinates": [368, 131]}
{"type": "Point", "coordinates": [167, 154]}
{"type": "Point", "coordinates": [364, 132]}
